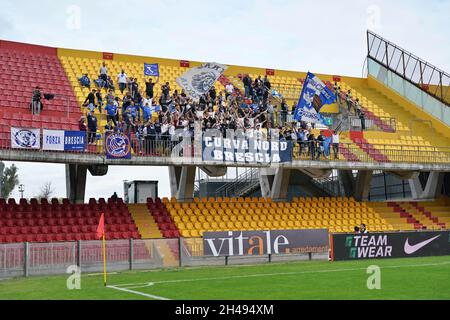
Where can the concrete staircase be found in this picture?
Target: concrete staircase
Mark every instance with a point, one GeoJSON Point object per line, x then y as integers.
{"type": "Point", "coordinates": [393, 216]}
{"type": "Point", "coordinates": [425, 220]}
{"type": "Point", "coordinates": [148, 228]}
{"type": "Point", "coordinates": [145, 223]}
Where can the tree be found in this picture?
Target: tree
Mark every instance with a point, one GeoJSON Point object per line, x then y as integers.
{"type": "Point", "coordinates": [10, 180]}
{"type": "Point", "coordinates": [46, 191]}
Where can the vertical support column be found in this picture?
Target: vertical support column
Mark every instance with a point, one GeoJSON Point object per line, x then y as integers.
{"type": "Point", "coordinates": [2, 168]}
{"type": "Point", "coordinates": [362, 185]}
{"type": "Point", "coordinates": [432, 188]}
{"type": "Point", "coordinates": [76, 182]}
{"type": "Point", "coordinates": [131, 253]}
{"type": "Point", "coordinates": [79, 253]}
{"type": "Point", "coordinates": [26, 253]}
{"type": "Point", "coordinates": [348, 182]}
{"type": "Point", "coordinates": [180, 253]}
{"type": "Point", "coordinates": [265, 182]}
{"type": "Point", "coordinates": [416, 188]}
{"type": "Point", "coordinates": [182, 181]}
{"type": "Point", "coordinates": [280, 183]}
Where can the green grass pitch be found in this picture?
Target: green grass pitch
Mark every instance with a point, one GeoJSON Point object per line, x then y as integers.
{"type": "Point", "coordinates": [416, 278]}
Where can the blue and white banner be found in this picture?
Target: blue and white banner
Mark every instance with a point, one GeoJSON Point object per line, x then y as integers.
{"type": "Point", "coordinates": [59, 140]}
{"type": "Point", "coordinates": [118, 146]}
{"type": "Point", "coordinates": [151, 69]}
{"type": "Point", "coordinates": [198, 81]}
{"type": "Point", "coordinates": [314, 96]}
{"type": "Point", "coordinates": [74, 141]}
{"type": "Point", "coordinates": [53, 140]}
{"type": "Point", "coordinates": [246, 150]}
{"type": "Point", "coordinates": [276, 94]}
{"type": "Point", "coordinates": [22, 138]}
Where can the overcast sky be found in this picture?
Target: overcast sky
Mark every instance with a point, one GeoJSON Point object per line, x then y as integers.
{"type": "Point", "coordinates": [320, 36]}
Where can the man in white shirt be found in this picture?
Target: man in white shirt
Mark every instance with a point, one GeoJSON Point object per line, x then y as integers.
{"type": "Point", "coordinates": [104, 75]}
{"type": "Point", "coordinates": [122, 80]}
{"type": "Point", "coordinates": [335, 142]}
{"type": "Point", "coordinates": [229, 90]}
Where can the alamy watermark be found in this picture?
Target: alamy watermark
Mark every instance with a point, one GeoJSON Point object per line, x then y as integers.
{"type": "Point", "coordinates": [73, 20]}
{"type": "Point", "coordinates": [74, 280]}
{"type": "Point", "coordinates": [374, 280]}
{"type": "Point", "coordinates": [373, 21]}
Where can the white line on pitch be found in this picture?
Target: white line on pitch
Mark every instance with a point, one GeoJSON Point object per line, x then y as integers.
{"type": "Point", "coordinates": [137, 285]}
{"type": "Point", "coordinates": [138, 293]}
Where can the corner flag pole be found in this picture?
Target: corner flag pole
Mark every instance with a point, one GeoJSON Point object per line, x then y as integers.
{"type": "Point", "coordinates": [104, 258]}
{"type": "Point", "coordinates": [101, 235]}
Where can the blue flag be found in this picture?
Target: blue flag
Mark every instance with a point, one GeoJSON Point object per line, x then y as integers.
{"type": "Point", "coordinates": [151, 70]}
{"type": "Point", "coordinates": [276, 94]}
{"type": "Point", "coordinates": [315, 95]}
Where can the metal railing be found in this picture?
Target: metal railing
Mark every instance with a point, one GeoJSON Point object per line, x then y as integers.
{"type": "Point", "coordinates": [372, 121]}
{"type": "Point", "coordinates": [188, 149]}
{"type": "Point", "coordinates": [28, 259]}
{"type": "Point", "coordinates": [372, 124]}
{"type": "Point", "coordinates": [378, 153]}
{"type": "Point", "coordinates": [410, 67]}
{"type": "Point", "coordinates": [39, 259]}
{"type": "Point", "coordinates": [245, 182]}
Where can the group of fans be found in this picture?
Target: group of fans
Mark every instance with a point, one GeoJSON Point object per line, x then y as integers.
{"type": "Point", "coordinates": [149, 118]}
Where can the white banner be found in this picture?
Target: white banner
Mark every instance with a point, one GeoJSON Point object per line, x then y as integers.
{"type": "Point", "coordinates": [22, 138]}
{"type": "Point", "coordinates": [198, 81]}
{"type": "Point", "coordinates": [53, 140]}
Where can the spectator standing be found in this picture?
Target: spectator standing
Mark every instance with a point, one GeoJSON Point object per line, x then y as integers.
{"type": "Point", "coordinates": [90, 101]}
{"type": "Point", "coordinates": [36, 105]}
{"type": "Point", "coordinates": [104, 74]}
{"type": "Point", "coordinates": [166, 90]}
{"type": "Point", "coordinates": [111, 112]}
{"type": "Point", "coordinates": [99, 97]}
{"type": "Point", "coordinates": [149, 88]}
{"type": "Point", "coordinates": [357, 107]}
{"type": "Point", "coordinates": [147, 112]}
{"type": "Point", "coordinates": [92, 127]}
{"type": "Point", "coordinates": [247, 81]}
{"type": "Point", "coordinates": [284, 111]}
{"type": "Point", "coordinates": [337, 93]}
{"type": "Point", "coordinates": [349, 99]}
{"type": "Point", "coordinates": [122, 80]}
{"type": "Point", "coordinates": [321, 147]}
{"type": "Point", "coordinates": [228, 90]}
{"type": "Point", "coordinates": [363, 121]}
{"type": "Point", "coordinates": [127, 100]}
{"type": "Point", "coordinates": [335, 142]}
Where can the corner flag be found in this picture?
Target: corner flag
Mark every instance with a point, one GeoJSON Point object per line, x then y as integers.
{"type": "Point", "coordinates": [101, 235]}
{"type": "Point", "coordinates": [101, 227]}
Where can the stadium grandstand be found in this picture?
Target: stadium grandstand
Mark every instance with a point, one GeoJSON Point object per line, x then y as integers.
{"type": "Point", "coordinates": [380, 157]}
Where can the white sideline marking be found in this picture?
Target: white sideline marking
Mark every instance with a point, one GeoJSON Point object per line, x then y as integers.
{"type": "Point", "coordinates": [143, 285]}
{"type": "Point", "coordinates": [138, 293]}
{"type": "Point", "coordinates": [99, 274]}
